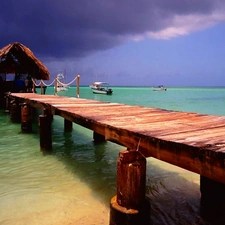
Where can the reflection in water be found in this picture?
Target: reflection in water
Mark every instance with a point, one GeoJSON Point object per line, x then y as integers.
{"type": "Point", "coordinates": [99, 150]}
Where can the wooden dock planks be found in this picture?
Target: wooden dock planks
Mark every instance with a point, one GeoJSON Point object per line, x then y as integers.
{"type": "Point", "coordinates": [186, 139]}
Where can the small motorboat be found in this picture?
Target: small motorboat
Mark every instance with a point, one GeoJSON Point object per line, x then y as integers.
{"type": "Point", "coordinates": [159, 88]}
{"type": "Point", "coordinates": [101, 88]}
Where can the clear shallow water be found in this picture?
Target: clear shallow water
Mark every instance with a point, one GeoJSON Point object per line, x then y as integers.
{"type": "Point", "coordinates": [74, 184]}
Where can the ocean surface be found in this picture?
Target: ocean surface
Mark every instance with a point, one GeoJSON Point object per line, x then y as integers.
{"type": "Point", "coordinates": [74, 183]}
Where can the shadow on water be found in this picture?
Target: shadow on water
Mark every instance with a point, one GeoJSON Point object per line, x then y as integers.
{"type": "Point", "coordinates": [174, 199]}
{"type": "Point", "coordinates": [91, 162]}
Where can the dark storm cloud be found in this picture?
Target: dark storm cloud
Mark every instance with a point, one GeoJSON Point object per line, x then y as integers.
{"type": "Point", "coordinates": [74, 28]}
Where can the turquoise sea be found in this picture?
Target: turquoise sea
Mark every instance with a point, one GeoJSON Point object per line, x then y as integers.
{"type": "Point", "coordinates": [73, 185]}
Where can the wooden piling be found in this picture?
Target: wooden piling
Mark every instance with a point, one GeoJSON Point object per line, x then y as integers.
{"type": "Point", "coordinates": [15, 111]}
{"type": "Point", "coordinates": [129, 206]}
{"type": "Point", "coordinates": [33, 86]}
{"type": "Point", "coordinates": [78, 86]}
{"type": "Point", "coordinates": [55, 86]}
{"type": "Point", "coordinates": [45, 123]}
{"type": "Point", "coordinates": [42, 90]}
{"type": "Point", "coordinates": [98, 137]}
{"type": "Point", "coordinates": [212, 199]}
{"type": "Point", "coordinates": [26, 118]}
{"type": "Point", "coordinates": [6, 103]}
{"type": "Point", "coordinates": [68, 125]}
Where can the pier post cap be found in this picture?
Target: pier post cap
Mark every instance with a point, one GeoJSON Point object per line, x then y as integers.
{"type": "Point", "coordinates": [127, 156]}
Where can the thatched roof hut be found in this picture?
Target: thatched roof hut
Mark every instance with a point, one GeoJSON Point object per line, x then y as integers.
{"type": "Point", "coordinates": [15, 58]}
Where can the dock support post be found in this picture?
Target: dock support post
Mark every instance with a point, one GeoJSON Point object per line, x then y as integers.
{"type": "Point", "coordinates": [68, 125]}
{"type": "Point", "coordinates": [34, 86]}
{"type": "Point", "coordinates": [15, 111]}
{"type": "Point", "coordinates": [26, 118]}
{"type": "Point", "coordinates": [41, 84]}
{"type": "Point", "coordinates": [6, 104]}
{"type": "Point", "coordinates": [212, 199]}
{"type": "Point", "coordinates": [98, 137]}
{"type": "Point", "coordinates": [45, 123]}
{"type": "Point", "coordinates": [56, 85]}
{"type": "Point", "coordinates": [78, 87]}
{"type": "Point", "coordinates": [129, 206]}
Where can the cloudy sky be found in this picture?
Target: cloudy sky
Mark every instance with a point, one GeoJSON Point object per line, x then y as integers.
{"type": "Point", "coordinates": [125, 42]}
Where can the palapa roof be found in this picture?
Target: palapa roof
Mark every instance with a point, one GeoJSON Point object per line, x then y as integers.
{"type": "Point", "coordinates": [16, 58]}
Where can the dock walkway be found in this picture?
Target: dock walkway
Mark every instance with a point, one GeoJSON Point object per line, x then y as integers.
{"type": "Point", "coordinates": [189, 140]}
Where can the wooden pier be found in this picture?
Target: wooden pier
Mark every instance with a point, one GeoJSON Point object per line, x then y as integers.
{"type": "Point", "coordinates": [189, 140]}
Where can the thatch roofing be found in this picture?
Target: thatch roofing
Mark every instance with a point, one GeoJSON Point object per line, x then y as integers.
{"type": "Point", "coordinates": [15, 58]}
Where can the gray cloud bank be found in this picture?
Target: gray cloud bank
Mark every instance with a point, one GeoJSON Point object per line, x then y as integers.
{"type": "Point", "coordinates": [57, 29]}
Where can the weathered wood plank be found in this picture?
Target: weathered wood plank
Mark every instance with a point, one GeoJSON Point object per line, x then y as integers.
{"type": "Point", "coordinates": [192, 141]}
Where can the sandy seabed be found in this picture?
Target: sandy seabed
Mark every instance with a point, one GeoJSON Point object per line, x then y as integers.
{"type": "Point", "coordinates": [55, 211]}
{"type": "Point", "coordinates": [57, 202]}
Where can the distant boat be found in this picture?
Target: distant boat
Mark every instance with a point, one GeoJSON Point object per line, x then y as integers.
{"type": "Point", "coordinates": [159, 88]}
{"type": "Point", "coordinates": [61, 83]}
{"type": "Point", "coordinates": [101, 88]}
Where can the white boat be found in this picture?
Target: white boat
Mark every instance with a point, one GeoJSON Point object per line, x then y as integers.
{"type": "Point", "coordinates": [159, 88]}
{"type": "Point", "coordinates": [101, 88]}
{"type": "Point", "coordinates": [61, 86]}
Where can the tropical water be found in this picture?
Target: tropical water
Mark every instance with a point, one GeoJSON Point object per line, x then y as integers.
{"type": "Point", "coordinates": [74, 183]}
